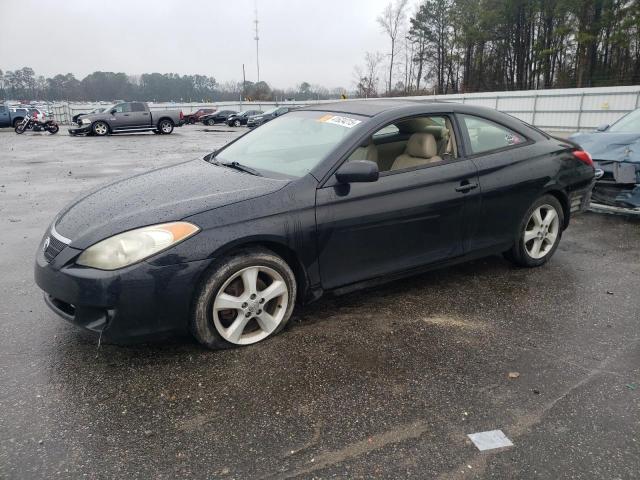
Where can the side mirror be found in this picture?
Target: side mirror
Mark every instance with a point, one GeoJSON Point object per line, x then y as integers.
{"type": "Point", "coordinates": [602, 127]}
{"type": "Point", "coordinates": [358, 171]}
{"type": "Point", "coordinates": [209, 156]}
{"type": "Point", "coordinates": [113, 111]}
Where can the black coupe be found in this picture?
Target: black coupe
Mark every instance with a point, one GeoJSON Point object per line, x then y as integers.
{"type": "Point", "coordinates": [329, 198]}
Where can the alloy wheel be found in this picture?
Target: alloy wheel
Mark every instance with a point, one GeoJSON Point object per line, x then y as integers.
{"type": "Point", "coordinates": [250, 305]}
{"type": "Point", "coordinates": [100, 128]}
{"type": "Point", "coordinates": [165, 127]}
{"type": "Point", "coordinates": [541, 232]}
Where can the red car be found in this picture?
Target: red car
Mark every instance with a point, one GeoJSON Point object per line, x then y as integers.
{"type": "Point", "coordinates": [195, 117]}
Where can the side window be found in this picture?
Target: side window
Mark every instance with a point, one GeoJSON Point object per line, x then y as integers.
{"type": "Point", "coordinates": [3, 109]}
{"type": "Point", "coordinates": [138, 107]}
{"type": "Point", "coordinates": [410, 143]}
{"type": "Point", "coordinates": [389, 130]}
{"type": "Point", "coordinates": [486, 135]}
{"type": "Point", "coordinates": [123, 108]}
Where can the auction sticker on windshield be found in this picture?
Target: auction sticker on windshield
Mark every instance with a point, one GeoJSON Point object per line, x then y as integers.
{"type": "Point", "coordinates": [338, 120]}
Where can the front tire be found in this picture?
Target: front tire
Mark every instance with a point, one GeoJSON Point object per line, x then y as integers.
{"type": "Point", "coordinates": [248, 297]}
{"type": "Point", "coordinates": [100, 129]}
{"type": "Point", "coordinates": [19, 129]}
{"type": "Point", "coordinates": [211, 123]}
{"type": "Point", "coordinates": [237, 123]}
{"type": "Point", "coordinates": [539, 233]}
{"type": "Point", "coordinates": [165, 126]}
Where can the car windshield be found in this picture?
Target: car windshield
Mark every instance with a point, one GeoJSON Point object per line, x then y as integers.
{"type": "Point", "coordinates": [291, 145]}
{"type": "Point", "coordinates": [628, 124]}
{"type": "Point", "coordinates": [269, 112]}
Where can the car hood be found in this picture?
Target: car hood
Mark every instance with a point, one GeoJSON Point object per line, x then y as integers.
{"type": "Point", "coordinates": [609, 146]}
{"type": "Point", "coordinates": [162, 195]}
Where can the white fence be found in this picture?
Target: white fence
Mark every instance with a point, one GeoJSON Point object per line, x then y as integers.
{"type": "Point", "coordinates": [566, 110]}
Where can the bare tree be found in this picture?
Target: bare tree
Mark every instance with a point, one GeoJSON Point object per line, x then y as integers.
{"type": "Point", "coordinates": [391, 21]}
{"type": "Point", "coordinates": [367, 75]}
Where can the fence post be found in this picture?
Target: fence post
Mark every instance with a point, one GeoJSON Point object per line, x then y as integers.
{"type": "Point", "coordinates": [638, 99]}
{"type": "Point", "coordinates": [535, 106]}
{"type": "Point", "coordinates": [580, 110]}
{"type": "Point", "coordinates": [497, 98]}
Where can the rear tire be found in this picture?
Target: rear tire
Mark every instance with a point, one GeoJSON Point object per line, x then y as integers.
{"type": "Point", "coordinates": [211, 123]}
{"type": "Point", "coordinates": [539, 233]}
{"type": "Point", "coordinates": [165, 126]}
{"type": "Point", "coordinates": [259, 289]}
{"type": "Point", "coordinates": [100, 129]}
{"type": "Point", "coordinates": [53, 129]}
{"type": "Point", "coordinates": [16, 121]}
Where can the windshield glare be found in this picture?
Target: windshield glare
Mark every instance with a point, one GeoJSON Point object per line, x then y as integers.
{"type": "Point", "coordinates": [628, 124]}
{"type": "Point", "coordinates": [291, 145]}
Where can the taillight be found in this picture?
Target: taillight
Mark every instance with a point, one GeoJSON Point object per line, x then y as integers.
{"type": "Point", "coordinates": [181, 115]}
{"type": "Point", "coordinates": [583, 156]}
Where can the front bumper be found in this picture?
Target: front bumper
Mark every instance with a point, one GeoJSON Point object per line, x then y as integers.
{"type": "Point", "coordinates": [135, 303]}
{"type": "Point", "coordinates": [80, 129]}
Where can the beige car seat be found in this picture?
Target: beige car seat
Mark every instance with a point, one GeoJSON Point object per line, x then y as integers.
{"type": "Point", "coordinates": [422, 149]}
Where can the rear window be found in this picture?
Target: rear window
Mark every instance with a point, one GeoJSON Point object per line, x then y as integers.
{"type": "Point", "coordinates": [486, 135]}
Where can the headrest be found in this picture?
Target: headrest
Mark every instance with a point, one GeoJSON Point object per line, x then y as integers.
{"type": "Point", "coordinates": [439, 132]}
{"type": "Point", "coordinates": [422, 145]}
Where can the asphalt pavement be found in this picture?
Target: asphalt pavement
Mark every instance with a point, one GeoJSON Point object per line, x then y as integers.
{"type": "Point", "coordinates": [382, 383]}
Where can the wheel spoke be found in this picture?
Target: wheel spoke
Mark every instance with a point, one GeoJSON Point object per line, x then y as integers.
{"type": "Point", "coordinates": [274, 290]}
{"type": "Point", "coordinates": [551, 238]}
{"type": "Point", "coordinates": [550, 216]}
{"type": "Point", "coordinates": [530, 234]}
{"type": "Point", "coordinates": [227, 302]}
{"type": "Point", "coordinates": [234, 332]}
{"type": "Point", "coordinates": [250, 280]}
{"type": "Point", "coordinates": [535, 249]}
{"type": "Point", "coordinates": [537, 218]}
{"type": "Point", "coordinates": [267, 322]}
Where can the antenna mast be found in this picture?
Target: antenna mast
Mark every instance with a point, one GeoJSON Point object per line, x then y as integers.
{"type": "Point", "coordinates": [257, 38]}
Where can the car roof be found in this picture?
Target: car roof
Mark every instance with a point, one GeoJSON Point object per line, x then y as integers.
{"type": "Point", "coordinates": [391, 108]}
{"type": "Point", "coordinates": [369, 108]}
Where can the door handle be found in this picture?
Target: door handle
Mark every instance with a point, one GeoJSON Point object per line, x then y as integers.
{"type": "Point", "coordinates": [466, 186]}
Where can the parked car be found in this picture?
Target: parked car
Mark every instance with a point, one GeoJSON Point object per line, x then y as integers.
{"type": "Point", "coordinates": [11, 116]}
{"type": "Point", "coordinates": [333, 197]}
{"type": "Point", "coordinates": [217, 117]}
{"type": "Point", "coordinates": [195, 116]}
{"type": "Point", "coordinates": [76, 117]}
{"type": "Point", "coordinates": [257, 120]}
{"type": "Point", "coordinates": [128, 117]}
{"type": "Point", "coordinates": [616, 151]}
{"type": "Point", "coordinates": [241, 118]}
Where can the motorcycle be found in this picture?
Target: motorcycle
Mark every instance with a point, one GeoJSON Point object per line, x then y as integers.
{"type": "Point", "coordinates": [30, 123]}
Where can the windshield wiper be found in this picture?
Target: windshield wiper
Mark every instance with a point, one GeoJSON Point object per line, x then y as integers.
{"type": "Point", "coordinates": [238, 166]}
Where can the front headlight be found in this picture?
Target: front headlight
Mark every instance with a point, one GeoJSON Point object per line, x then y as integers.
{"type": "Point", "coordinates": [135, 245]}
{"type": "Point", "coordinates": [84, 121]}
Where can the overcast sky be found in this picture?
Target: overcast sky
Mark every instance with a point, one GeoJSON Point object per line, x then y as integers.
{"type": "Point", "coordinates": [318, 42]}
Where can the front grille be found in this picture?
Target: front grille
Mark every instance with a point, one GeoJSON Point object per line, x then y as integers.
{"type": "Point", "coordinates": [54, 247]}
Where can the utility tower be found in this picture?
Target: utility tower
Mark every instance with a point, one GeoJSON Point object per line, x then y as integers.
{"type": "Point", "coordinates": [257, 38]}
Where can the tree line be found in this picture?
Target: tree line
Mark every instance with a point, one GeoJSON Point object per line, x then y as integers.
{"type": "Point", "coordinates": [451, 46]}
{"type": "Point", "coordinates": [24, 84]}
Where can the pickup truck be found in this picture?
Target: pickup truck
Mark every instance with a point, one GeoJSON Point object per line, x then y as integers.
{"type": "Point", "coordinates": [128, 117]}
